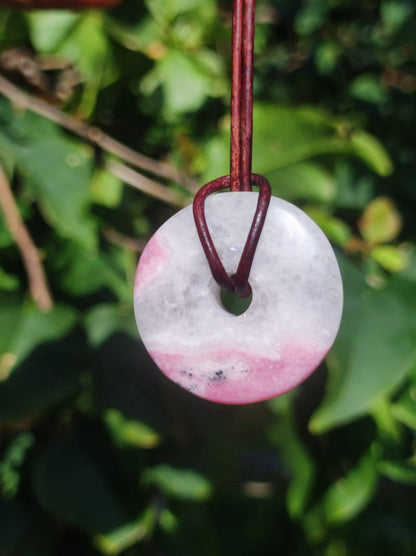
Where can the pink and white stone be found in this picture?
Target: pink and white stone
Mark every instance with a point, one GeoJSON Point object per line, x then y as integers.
{"type": "Point", "coordinates": [289, 326]}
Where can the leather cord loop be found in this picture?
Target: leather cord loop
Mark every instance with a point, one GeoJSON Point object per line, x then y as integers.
{"type": "Point", "coordinates": [238, 283]}
{"type": "Point", "coordinates": [240, 178]}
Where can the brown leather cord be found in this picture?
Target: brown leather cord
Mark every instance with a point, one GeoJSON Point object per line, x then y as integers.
{"type": "Point", "coordinates": [238, 283]}
{"type": "Point", "coordinates": [242, 94]}
{"type": "Point", "coordinates": [240, 178]}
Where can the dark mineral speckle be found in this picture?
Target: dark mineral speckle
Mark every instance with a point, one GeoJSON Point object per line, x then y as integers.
{"type": "Point", "coordinates": [215, 376]}
{"type": "Point", "coordinates": [190, 388]}
{"type": "Point", "coordinates": [218, 376]}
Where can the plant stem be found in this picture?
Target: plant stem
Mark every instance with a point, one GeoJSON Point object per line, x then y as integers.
{"type": "Point", "coordinates": [38, 282]}
{"type": "Point", "coordinates": [93, 134]}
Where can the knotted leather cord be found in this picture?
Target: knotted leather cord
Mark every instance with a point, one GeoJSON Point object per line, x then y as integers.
{"type": "Point", "coordinates": [240, 178]}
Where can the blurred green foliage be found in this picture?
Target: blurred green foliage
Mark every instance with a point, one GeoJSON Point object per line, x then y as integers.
{"type": "Point", "coordinates": [100, 454]}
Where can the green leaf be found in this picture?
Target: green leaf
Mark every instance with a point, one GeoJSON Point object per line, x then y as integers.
{"type": "Point", "coordinates": [8, 282]}
{"type": "Point", "coordinates": [178, 483]}
{"type": "Point", "coordinates": [50, 376]}
{"type": "Point", "coordinates": [381, 221]}
{"type": "Point", "coordinates": [303, 181]}
{"type": "Point", "coordinates": [89, 49]}
{"type": "Point", "coordinates": [60, 182]}
{"type": "Point", "coordinates": [349, 495]}
{"type": "Point", "coordinates": [10, 315]}
{"type": "Point", "coordinates": [284, 136]}
{"type": "Point", "coordinates": [368, 87]}
{"type": "Point", "coordinates": [170, 9]}
{"type": "Point", "coordinates": [122, 538]}
{"type": "Point", "coordinates": [14, 30]}
{"type": "Point", "coordinates": [311, 17]}
{"type": "Point", "coordinates": [36, 327]}
{"type": "Point", "coordinates": [7, 152]}
{"type": "Point", "coordinates": [373, 353]}
{"type": "Point", "coordinates": [336, 230]}
{"type": "Point", "coordinates": [387, 426]}
{"type": "Point", "coordinates": [142, 36]}
{"type": "Point", "coordinates": [13, 459]}
{"type": "Point", "coordinates": [390, 257]}
{"type": "Point", "coordinates": [400, 472]}
{"type": "Point", "coordinates": [4, 19]}
{"type": "Point", "coordinates": [371, 152]}
{"type": "Point", "coordinates": [107, 319]}
{"type": "Point", "coordinates": [184, 23]}
{"type": "Point", "coordinates": [55, 169]}
{"type": "Point", "coordinates": [6, 238]}
{"type": "Point", "coordinates": [19, 128]}
{"type": "Point", "coordinates": [106, 189]}
{"type": "Point", "coordinates": [346, 498]}
{"type": "Point", "coordinates": [327, 55]}
{"type": "Point", "coordinates": [49, 28]}
{"type": "Point", "coordinates": [355, 190]}
{"type": "Point", "coordinates": [82, 273]}
{"type": "Point", "coordinates": [81, 40]}
{"type": "Point", "coordinates": [404, 410]}
{"type": "Point", "coordinates": [395, 13]}
{"type": "Point", "coordinates": [214, 159]}
{"type": "Point", "coordinates": [168, 521]}
{"type": "Point", "coordinates": [37, 387]}
{"type": "Point", "coordinates": [130, 433]}
{"type": "Point", "coordinates": [38, 368]}
{"type": "Point", "coordinates": [298, 462]}
{"type": "Point", "coordinates": [69, 484]}
{"type": "Point", "coordinates": [184, 82]}
{"type": "Point", "coordinates": [27, 327]}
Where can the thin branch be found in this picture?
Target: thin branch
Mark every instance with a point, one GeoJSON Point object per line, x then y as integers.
{"type": "Point", "coordinates": [130, 243]}
{"type": "Point", "coordinates": [38, 282]}
{"type": "Point", "coordinates": [91, 134]}
{"type": "Point", "coordinates": [144, 184]}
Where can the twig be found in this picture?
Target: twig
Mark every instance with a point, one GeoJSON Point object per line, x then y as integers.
{"type": "Point", "coordinates": [144, 184]}
{"type": "Point", "coordinates": [38, 282]}
{"type": "Point", "coordinates": [130, 243]}
{"type": "Point", "coordinates": [91, 134]}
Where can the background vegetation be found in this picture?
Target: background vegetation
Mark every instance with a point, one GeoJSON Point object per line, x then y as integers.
{"type": "Point", "coordinates": [100, 454]}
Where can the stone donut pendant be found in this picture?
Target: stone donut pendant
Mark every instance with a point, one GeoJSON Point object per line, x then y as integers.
{"type": "Point", "coordinates": [278, 341]}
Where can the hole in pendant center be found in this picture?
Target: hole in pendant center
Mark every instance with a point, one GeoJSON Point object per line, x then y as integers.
{"type": "Point", "coordinates": [234, 304]}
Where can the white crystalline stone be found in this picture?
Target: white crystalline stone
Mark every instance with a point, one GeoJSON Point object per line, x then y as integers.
{"type": "Point", "coordinates": [285, 333]}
